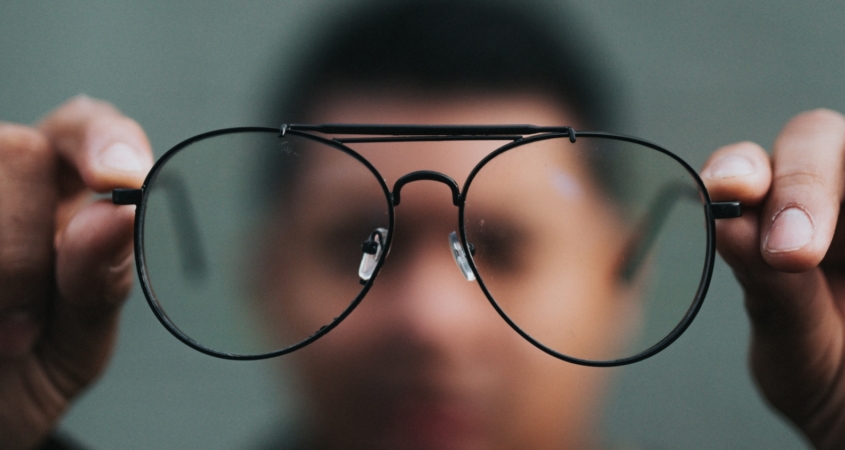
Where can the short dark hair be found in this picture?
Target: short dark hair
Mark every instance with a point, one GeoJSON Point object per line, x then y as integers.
{"type": "Point", "coordinates": [449, 45]}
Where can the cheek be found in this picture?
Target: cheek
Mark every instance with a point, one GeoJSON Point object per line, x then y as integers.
{"type": "Point", "coordinates": [563, 288]}
{"type": "Point", "coordinates": [297, 299]}
{"type": "Point", "coordinates": [557, 403]}
{"type": "Point", "coordinates": [578, 310]}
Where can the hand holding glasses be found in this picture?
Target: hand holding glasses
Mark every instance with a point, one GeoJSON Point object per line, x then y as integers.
{"type": "Point", "coordinates": [254, 242]}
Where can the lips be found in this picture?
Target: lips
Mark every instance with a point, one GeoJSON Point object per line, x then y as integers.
{"type": "Point", "coordinates": [413, 407]}
{"type": "Point", "coordinates": [436, 421]}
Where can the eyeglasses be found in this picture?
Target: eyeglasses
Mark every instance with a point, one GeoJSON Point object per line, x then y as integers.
{"type": "Point", "coordinates": [254, 242]}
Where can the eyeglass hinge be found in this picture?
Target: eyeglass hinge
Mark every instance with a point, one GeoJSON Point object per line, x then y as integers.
{"type": "Point", "coordinates": [571, 132]}
{"type": "Point", "coordinates": [282, 130]}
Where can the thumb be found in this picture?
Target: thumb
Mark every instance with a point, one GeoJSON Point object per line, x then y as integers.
{"type": "Point", "coordinates": [93, 277]}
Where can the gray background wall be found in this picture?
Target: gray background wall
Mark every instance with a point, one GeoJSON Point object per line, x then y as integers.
{"type": "Point", "coordinates": [702, 74]}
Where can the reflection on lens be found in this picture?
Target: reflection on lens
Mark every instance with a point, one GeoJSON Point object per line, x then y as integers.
{"type": "Point", "coordinates": [253, 242]}
{"type": "Point", "coordinates": [595, 249]}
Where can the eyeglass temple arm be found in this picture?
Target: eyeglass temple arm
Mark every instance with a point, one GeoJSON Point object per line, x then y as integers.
{"type": "Point", "coordinates": [651, 224]}
{"type": "Point", "coordinates": [194, 261]}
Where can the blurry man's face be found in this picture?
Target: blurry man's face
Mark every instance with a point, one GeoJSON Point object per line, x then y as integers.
{"type": "Point", "coordinates": [425, 361]}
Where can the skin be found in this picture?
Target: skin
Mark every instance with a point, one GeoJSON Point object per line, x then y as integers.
{"type": "Point", "coordinates": [425, 362]}
{"type": "Point", "coordinates": [65, 265]}
{"type": "Point", "coordinates": [791, 270]}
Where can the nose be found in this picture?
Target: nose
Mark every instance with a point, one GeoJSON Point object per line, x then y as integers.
{"type": "Point", "coordinates": [458, 252]}
{"type": "Point", "coordinates": [373, 247]}
{"type": "Point", "coordinates": [419, 292]}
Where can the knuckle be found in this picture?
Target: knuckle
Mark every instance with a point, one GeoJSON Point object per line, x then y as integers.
{"type": "Point", "coordinates": [803, 177]}
{"type": "Point", "coordinates": [818, 121]}
{"type": "Point", "coordinates": [23, 148]}
{"type": "Point", "coordinates": [110, 126]}
{"type": "Point", "coordinates": [19, 262]}
{"type": "Point", "coordinates": [823, 115]}
{"type": "Point", "coordinates": [750, 150]}
{"type": "Point", "coordinates": [83, 102]}
{"type": "Point", "coordinates": [745, 147]}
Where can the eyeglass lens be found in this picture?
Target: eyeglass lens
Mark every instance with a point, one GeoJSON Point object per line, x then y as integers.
{"type": "Point", "coordinates": [595, 249]}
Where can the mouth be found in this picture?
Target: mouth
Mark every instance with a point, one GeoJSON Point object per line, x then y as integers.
{"type": "Point", "coordinates": [435, 421]}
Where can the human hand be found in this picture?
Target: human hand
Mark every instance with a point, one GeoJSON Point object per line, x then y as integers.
{"type": "Point", "coordinates": [65, 260]}
{"type": "Point", "coordinates": [788, 253]}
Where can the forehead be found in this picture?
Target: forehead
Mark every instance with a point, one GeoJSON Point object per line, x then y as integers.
{"type": "Point", "coordinates": [408, 105]}
{"type": "Point", "coordinates": [414, 106]}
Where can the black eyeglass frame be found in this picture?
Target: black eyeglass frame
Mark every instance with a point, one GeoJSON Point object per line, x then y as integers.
{"type": "Point", "coordinates": [519, 135]}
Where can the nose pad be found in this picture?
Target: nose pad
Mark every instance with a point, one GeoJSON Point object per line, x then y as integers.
{"type": "Point", "coordinates": [372, 249]}
{"type": "Point", "coordinates": [460, 256]}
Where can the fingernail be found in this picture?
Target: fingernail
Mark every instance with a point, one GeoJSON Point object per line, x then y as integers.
{"type": "Point", "coordinates": [730, 166]}
{"type": "Point", "coordinates": [792, 229]}
{"type": "Point", "coordinates": [120, 157]}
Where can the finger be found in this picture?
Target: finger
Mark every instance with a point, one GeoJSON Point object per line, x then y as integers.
{"type": "Point", "coordinates": [93, 277]}
{"type": "Point", "coordinates": [27, 202]}
{"type": "Point", "coordinates": [795, 324]}
{"type": "Point", "coordinates": [797, 351]}
{"type": "Point", "coordinates": [738, 172]}
{"type": "Point", "coordinates": [106, 149]}
{"type": "Point", "coordinates": [800, 214]}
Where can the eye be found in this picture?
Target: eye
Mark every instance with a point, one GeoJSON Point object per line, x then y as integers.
{"type": "Point", "coordinates": [336, 242]}
{"type": "Point", "coordinates": [501, 246]}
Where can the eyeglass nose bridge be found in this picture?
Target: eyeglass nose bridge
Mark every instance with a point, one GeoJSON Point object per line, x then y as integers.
{"type": "Point", "coordinates": [426, 175]}
{"type": "Point", "coordinates": [454, 244]}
